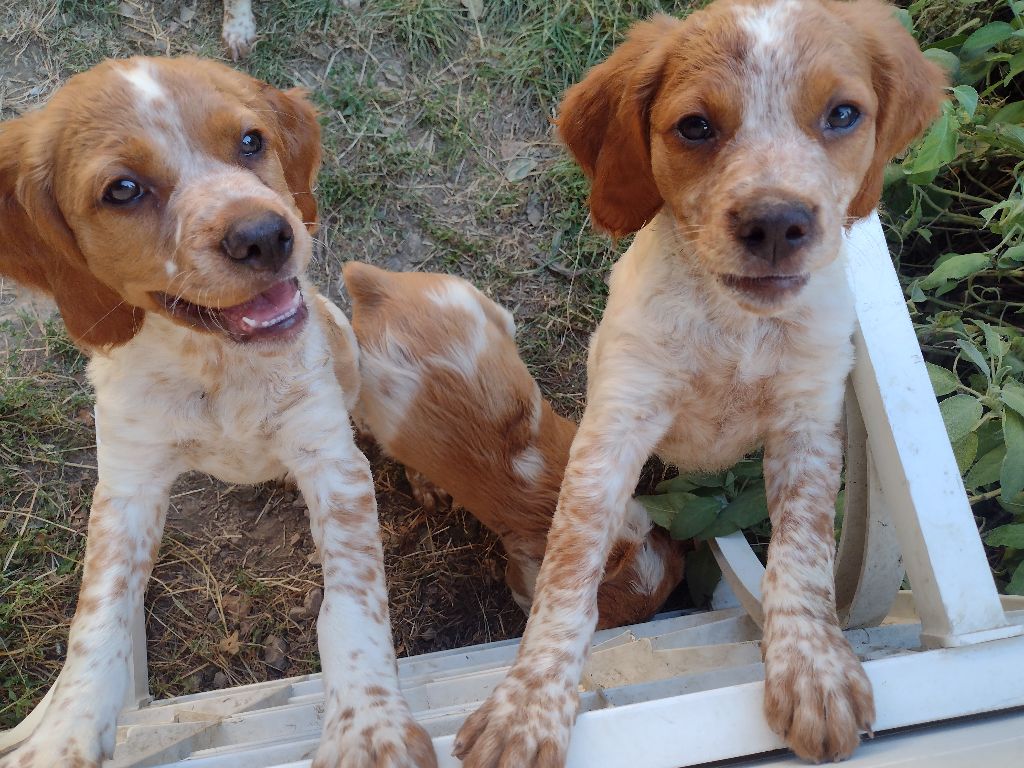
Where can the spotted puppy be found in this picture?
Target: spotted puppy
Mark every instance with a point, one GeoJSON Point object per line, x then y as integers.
{"type": "Point", "coordinates": [445, 392]}
{"type": "Point", "coordinates": [738, 144]}
{"type": "Point", "coordinates": [165, 204]}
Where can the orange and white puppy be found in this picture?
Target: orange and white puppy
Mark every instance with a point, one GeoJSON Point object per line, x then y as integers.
{"type": "Point", "coordinates": [739, 142]}
{"type": "Point", "coordinates": [445, 392]}
{"type": "Point", "coordinates": [165, 204]}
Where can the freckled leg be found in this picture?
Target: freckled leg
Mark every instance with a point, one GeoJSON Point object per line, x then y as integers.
{"type": "Point", "coordinates": [78, 727]}
{"type": "Point", "coordinates": [239, 30]}
{"type": "Point", "coordinates": [528, 718]}
{"type": "Point", "coordinates": [367, 723]}
{"type": "Point", "coordinates": [816, 693]}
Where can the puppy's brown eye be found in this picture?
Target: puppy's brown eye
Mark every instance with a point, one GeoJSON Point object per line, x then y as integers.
{"type": "Point", "coordinates": [695, 128]}
{"type": "Point", "coordinates": [123, 191]}
{"type": "Point", "coordinates": [251, 144]}
{"type": "Point", "coordinates": [842, 117]}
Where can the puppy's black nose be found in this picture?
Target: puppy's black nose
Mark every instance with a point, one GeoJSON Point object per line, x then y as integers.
{"type": "Point", "coordinates": [775, 231]}
{"type": "Point", "coordinates": [262, 241]}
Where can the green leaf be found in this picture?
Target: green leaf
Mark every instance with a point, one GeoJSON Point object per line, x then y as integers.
{"type": "Point", "coordinates": [1011, 478]}
{"type": "Point", "coordinates": [972, 353]}
{"type": "Point", "coordinates": [956, 268]}
{"type": "Point", "coordinates": [664, 507]}
{"type": "Point", "coordinates": [747, 509]}
{"type": "Point", "coordinates": [986, 470]}
{"type": "Point", "coordinates": [1013, 396]}
{"type": "Point", "coordinates": [968, 98]}
{"type": "Point", "coordinates": [960, 413]}
{"type": "Point", "coordinates": [683, 514]}
{"type": "Point", "coordinates": [519, 168]}
{"type": "Point", "coordinates": [993, 340]}
{"type": "Point", "coordinates": [1016, 585]}
{"type": "Point", "coordinates": [1006, 536]}
{"type": "Point", "coordinates": [984, 39]}
{"type": "Point", "coordinates": [675, 484]}
{"type": "Point", "coordinates": [702, 575]}
{"type": "Point", "coordinates": [1011, 257]}
{"type": "Point", "coordinates": [938, 146]}
{"type": "Point", "coordinates": [1012, 113]}
{"type": "Point", "coordinates": [947, 60]}
{"type": "Point", "coordinates": [943, 381]}
{"type": "Point", "coordinates": [748, 469]}
{"type": "Point", "coordinates": [965, 450]}
{"type": "Point", "coordinates": [903, 16]}
{"type": "Point", "coordinates": [698, 514]}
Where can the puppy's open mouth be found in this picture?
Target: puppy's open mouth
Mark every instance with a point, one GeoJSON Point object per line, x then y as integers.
{"type": "Point", "coordinates": [277, 313]}
{"type": "Point", "coordinates": [765, 289]}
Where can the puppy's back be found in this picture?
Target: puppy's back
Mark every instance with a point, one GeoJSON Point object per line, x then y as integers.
{"type": "Point", "coordinates": [445, 392]}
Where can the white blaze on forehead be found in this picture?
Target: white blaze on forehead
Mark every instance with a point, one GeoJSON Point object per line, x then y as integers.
{"type": "Point", "coordinates": [142, 80]}
{"type": "Point", "coordinates": [769, 25]}
{"type": "Point", "coordinates": [771, 87]}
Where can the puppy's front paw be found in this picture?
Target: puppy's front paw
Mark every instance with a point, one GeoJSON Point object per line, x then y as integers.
{"type": "Point", "coordinates": [428, 495]}
{"type": "Point", "coordinates": [55, 749]}
{"type": "Point", "coordinates": [377, 734]}
{"type": "Point", "coordinates": [523, 723]}
{"type": "Point", "coordinates": [817, 696]}
{"type": "Point", "coordinates": [239, 34]}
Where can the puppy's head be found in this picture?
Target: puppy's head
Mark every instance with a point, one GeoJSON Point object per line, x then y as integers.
{"type": "Point", "coordinates": [764, 126]}
{"type": "Point", "coordinates": [176, 186]}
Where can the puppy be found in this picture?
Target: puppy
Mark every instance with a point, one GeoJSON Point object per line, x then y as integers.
{"type": "Point", "coordinates": [445, 392]}
{"type": "Point", "coordinates": [739, 142]}
{"type": "Point", "coordinates": [166, 206]}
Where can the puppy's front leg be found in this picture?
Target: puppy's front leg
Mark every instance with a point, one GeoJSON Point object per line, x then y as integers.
{"type": "Point", "coordinates": [816, 693]}
{"type": "Point", "coordinates": [367, 723]}
{"type": "Point", "coordinates": [527, 720]}
{"type": "Point", "coordinates": [125, 526]}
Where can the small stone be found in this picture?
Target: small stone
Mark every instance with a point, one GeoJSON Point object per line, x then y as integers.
{"type": "Point", "coordinates": [297, 613]}
{"type": "Point", "coordinates": [275, 651]}
{"type": "Point", "coordinates": [534, 211]}
{"type": "Point", "coordinates": [312, 602]}
{"type": "Point", "coordinates": [220, 680]}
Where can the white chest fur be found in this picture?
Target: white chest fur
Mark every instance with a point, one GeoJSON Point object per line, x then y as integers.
{"type": "Point", "coordinates": [204, 403]}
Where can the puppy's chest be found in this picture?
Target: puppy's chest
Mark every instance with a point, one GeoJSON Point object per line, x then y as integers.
{"type": "Point", "coordinates": [230, 431]}
{"type": "Point", "coordinates": [720, 414]}
{"type": "Point", "coordinates": [217, 414]}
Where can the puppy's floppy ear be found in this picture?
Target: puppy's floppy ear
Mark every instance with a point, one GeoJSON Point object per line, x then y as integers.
{"type": "Point", "coordinates": [299, 135]}
{"type": "Point", "coordinates": [38, 249]}
{"type": "Point", "coordinates": [909, 88]}
{"type": "Point", "coordinates": [605, 122]}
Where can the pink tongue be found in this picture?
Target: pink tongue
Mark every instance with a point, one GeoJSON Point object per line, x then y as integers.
{"type": "Point", "coordinates": [272, 302]}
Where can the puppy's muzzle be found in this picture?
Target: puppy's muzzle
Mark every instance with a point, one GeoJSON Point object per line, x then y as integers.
{"type": "Point", "coordinates": [775, 231]}
{"type": "Point", "coordinates": [261, 241]}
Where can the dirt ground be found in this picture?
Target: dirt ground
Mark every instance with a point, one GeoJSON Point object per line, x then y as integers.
{"type": "Point", "coordinates": [438, 156]}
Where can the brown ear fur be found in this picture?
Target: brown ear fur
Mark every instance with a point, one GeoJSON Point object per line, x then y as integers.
{"type": "Point", "coordinates": [38, 249]}
{"type": "Point", "coordinates": [910, 90]}
{"type": "Point", "coordinates": [299, 134]}
{"type": "Point", "coordinates": [603, 120]}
